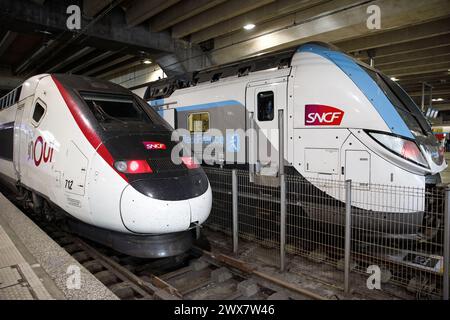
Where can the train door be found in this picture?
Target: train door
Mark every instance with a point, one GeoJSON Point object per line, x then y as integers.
{"type": "Point", "coordinates": [263, 101]}
{"type": "Point", "coordinates": [18, 137]}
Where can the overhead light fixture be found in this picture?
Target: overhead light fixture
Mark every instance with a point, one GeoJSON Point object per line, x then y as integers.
{"type": "Point", "coordinates": [147, 61]}
{"type": "Point", "coordinates": [437, 99]}
{"type": "Point", "coordinates": [249, 26]}
{"type": "Point", "coordinates": [394, 79]}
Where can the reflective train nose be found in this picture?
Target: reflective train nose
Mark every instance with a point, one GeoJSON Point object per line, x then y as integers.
{"type": "Point", "coordinates": [141, 213]}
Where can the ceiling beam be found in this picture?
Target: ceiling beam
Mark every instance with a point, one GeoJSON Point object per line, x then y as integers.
{"type": "Point", "coordinates": [414, 70]}
{"type": "Point", "coordinates": [416, 87]}
{"type": "Point", "coordinates": [442, 107]}
{"type": "Point", "coordinates": [285, 22]}
{"type": "Point", "coordinates": [412, 56]}
{"type": "Point", "coordinates": [224, 11]}
{"type": "Point", "coordinates": [7, 40]}
{"type": "Point", "coordinates": [436, 76]}
{"type": "Point", "coordinates": [338, 26]}
{"type": "Point", "coordinates": [141, 10]}
{"type": "Point", "coordinates": [126, 67]}
{"type": "Point", "coordinates": [182, 11]}
{"type": "Point", "coordinates": [93, 7]}
{"type": "Point", "coordinates": [412, 46]}
{"type": "Point", "coordinates": [393, 37]}
{"type": "Point", "coordinates": [51, 17]}
{"type": "Point", "coordinates": [109, 64]}
{"type": "Point", "coordinates": [40, 53]}
{"type": "Point", "coordinates": [9, 81]}
{"type": "Point", "coordinates": [435, 93]}
{"type": "Point", "coordinates": [92, 61]}
{"type": "Point", "coordinates": [70, 59]}
{"type": "Point", "coordinates": [267, 12]}
{"type": "Point", "coordinates": [415, 63]}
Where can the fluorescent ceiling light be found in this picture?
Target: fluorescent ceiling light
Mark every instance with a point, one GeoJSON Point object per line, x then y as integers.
{"type": "Point", "coordinates": [394, 79]}
{"type": "Point", "coordinates": [147, 61]}
{"type": "Point", "coordinates": [437, 99]}
{"type": "Point", "coordinates": [249, 26]}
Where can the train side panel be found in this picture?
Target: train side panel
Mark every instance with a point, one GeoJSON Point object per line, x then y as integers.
{"type": "Point", "coordinates": [55, 156]}
{"type": "Point", "coordinates": [7, 132]}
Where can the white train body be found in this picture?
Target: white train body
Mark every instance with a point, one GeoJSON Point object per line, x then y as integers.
{"type": "Point", "coordinates": [56, 149]}
{"type": "Point", "coordinates": [343, 120]}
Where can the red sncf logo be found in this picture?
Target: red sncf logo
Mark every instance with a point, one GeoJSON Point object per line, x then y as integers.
{"type": "Point", "coordinates": [320, 115]}
{"type": "Point", "coordinates": [151, 145]}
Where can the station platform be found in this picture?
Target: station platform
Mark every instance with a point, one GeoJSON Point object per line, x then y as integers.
{"type": "Point", "coordinates": [34, 267]}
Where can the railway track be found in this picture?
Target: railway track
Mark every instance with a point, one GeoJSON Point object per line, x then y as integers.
{"type": "Point", "coordinates": [198, 274]}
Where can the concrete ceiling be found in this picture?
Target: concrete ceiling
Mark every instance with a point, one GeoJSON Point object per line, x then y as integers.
{"type": "Point", "coordinates": [412, 44]}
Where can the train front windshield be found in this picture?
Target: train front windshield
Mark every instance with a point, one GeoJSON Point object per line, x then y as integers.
{"type": "Point", "coordinates": [114, 112]}
{"type": "Point", "coordinates": [410, 113]}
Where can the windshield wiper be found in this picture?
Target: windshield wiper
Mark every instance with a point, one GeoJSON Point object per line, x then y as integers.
{"type": "Point", "coordinates": [104, 114]}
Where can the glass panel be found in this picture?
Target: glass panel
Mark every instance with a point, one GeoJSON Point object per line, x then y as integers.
{"type": "Point", "coordinates": [408, 111]}
{"type": "Point", "coordinates": [265, 106]}
{"type": "Point", "coordinates": [198, 122]}
{"type": "Point", "coordinates": [38, 112]}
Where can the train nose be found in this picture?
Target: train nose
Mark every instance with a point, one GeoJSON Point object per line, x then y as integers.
{"type": "Point", "coordinates": [141, 213]}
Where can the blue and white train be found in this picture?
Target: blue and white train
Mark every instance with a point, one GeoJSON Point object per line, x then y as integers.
{"type": "Point", "coordinates": [343, 120]}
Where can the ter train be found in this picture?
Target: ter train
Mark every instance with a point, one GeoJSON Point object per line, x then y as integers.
{"type": "Point", "coordinates": [343, 120]}
{"type": "Point", "coordinates": [97, 153]}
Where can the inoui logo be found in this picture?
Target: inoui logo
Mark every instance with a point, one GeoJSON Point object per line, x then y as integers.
{"type": "Point", "coordinates": [320, 115]}
{"type": "Point", "coordinates": [42, 152]}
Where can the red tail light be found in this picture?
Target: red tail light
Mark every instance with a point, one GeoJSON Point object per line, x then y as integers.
{"type": "Point", "coordinates": [133, 166]}
{"type": "Point", "coordinates": [190, 162]}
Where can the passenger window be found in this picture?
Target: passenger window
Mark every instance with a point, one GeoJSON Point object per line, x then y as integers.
{"type": "Point", "coordinates": [198, 122]}
{"type": "Point", "coordinates": [38, 113]}
{"type": "Point", "coordinates": [265, 106]}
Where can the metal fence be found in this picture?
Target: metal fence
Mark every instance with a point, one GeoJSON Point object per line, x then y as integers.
{"type": "Point", "coordinates": [396, 233]}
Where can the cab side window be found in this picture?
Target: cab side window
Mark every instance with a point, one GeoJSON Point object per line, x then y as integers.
{"type": "Point", "coordinates": [266, 108]}
{"type": "Point", "coordinates": [198, 122]}
{"type": "Point", "coordinates": [38, 113]}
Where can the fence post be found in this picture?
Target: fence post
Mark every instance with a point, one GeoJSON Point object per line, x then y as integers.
{"type": "Point", "coordinates": [446, 243]}
{"type": "Point", "coordinates": [282, 190]}
{"type": "Point", "coordinates": [348, 225]}
{"type": "Point", "coordinates": [234, 182]}
{"type": "Point", "coordinates": [252, 156]}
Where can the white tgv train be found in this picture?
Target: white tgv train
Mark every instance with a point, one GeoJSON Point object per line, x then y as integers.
{"type": "Point", "coordinates": [92, 150]}
{"type": "Point", "coordinates": [343, 120]}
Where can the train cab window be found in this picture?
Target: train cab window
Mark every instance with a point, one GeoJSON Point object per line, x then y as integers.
{"type": "Point", "coordinates": [404, 105]}
{"type": "Point", "coordinates": [123, 112]}
{"type": "Point", "coordinates": [17, 97]}
{"type": "Point", "coordinates": [266, 108]}
{"type": "Point", "coordinates": [38, 113]}
{"type": "Point", "coordinates": [198, 122]}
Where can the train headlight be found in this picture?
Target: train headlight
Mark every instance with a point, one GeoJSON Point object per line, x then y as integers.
{"type": "Point", "coordinates": [405, 148]}
{"type": "Point", "coordinates": [121, 166]}
{"type": "Point", "coordinates": [133, 166]}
